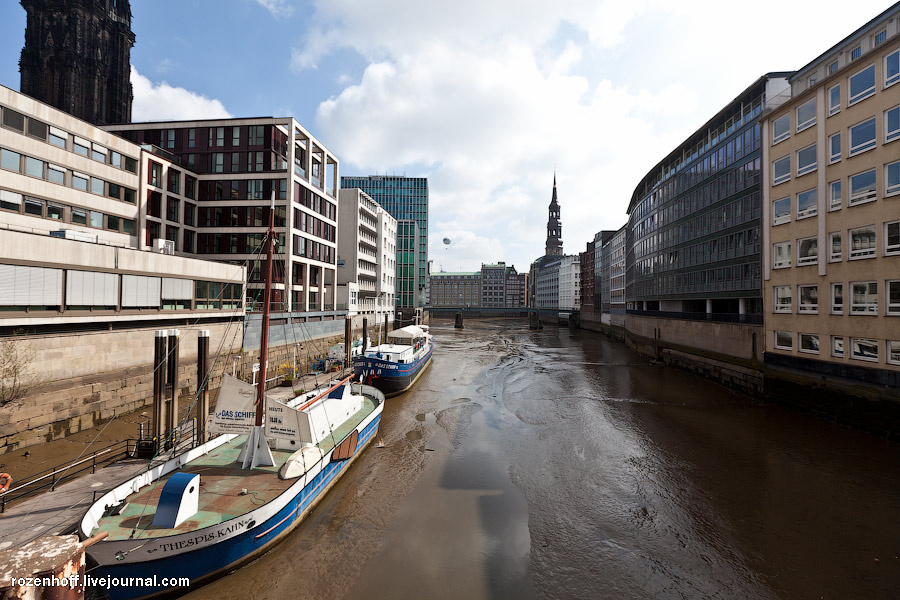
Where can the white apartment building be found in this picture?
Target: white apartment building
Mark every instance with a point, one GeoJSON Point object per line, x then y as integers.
{"type": "Point", "coordinates": [367, 253]}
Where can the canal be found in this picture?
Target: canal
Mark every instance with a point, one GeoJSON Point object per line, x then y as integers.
{"type": "Point", "coordinates": [557, 464]}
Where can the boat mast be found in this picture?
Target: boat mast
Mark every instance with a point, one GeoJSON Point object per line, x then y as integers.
{"type": "Point", "coordinates": [264, 334]}
{"type": "Point", "coordinates": [256, 451]}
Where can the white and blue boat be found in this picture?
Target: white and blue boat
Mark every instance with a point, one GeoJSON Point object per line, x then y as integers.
{"type": "Point", "coordinates": [201, 515]}
{"type": "Point", "coordinates": [395, 366]}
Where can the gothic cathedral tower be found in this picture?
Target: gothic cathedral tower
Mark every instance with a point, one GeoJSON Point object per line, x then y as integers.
{"type": "Point", "coordinates": [554, 227]}
{"type": "Point", "coordinates": [77, 57]}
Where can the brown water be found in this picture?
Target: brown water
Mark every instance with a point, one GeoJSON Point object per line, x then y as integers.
{"type": "Point", "coordinates": [557, 464]}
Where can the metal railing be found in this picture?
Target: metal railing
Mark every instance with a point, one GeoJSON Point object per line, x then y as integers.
{"type": "Point", "coordinates": [700, 316]}
{"type": "Point", "coordinates": [50, 478]}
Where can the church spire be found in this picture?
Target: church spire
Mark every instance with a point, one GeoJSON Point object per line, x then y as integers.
{"type": "Point", "coordinates": [554, 245]}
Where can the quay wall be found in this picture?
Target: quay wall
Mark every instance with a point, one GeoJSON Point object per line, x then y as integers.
{"type": "Point", "coordinates": [728, 353]}
{"type": "Point", "coordinates": [84, 379]}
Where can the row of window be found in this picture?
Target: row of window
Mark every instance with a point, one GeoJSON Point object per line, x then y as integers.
{"type": "Point", "coordinates": [239, 216]}
{"type": "Point", "coordinates": [863, 188]}
{"type": "Point", "coordinates": [33, 167]}
{"type": "Point", "coordinates": [154, 208]}
{"type": "Point", "coordinates": [862, 137]}
{"type": "Point", "coordinates": [62, 139]}
{"type": "Point", "coordinates": [863, 243]}
{"type": "Point", "coordinates": [741, 277]}
{"type": "Point", "coordinates": [860, 348]}
{"type": "Point", "coordinates": [48, 209]}
{"type": "Point", "coordinates": [173, 183]}
{"type": "Point", "coordinates": [243, 189]}
{"type": "Point", "coordinates": [863, 298]}
{"type": "Point", "coordinates": [860, 86]}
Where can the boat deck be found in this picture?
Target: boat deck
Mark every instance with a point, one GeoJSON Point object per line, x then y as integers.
{"type": "Point", "coordinates": [221, 481]}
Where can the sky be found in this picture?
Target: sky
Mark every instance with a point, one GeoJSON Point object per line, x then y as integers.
{"type": "Point", "coordinates": [486, 98]}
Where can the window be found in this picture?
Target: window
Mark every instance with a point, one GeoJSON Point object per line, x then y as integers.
{"type": "Point", "coordinates": [782, 211]}
{"type": "Point", "coordinates": [893, 352]}
{"type": "Point", "coordinates": [833, 67]}
{"type": "Point", "coordinates": [256, 135]}
{"type": "Point", "coordinates": [79, 181]}
{"type": "Point", "coordinates": [217, 162]}
{"type": "Point", "coordinates": [807, 203]}
{"type": "Point", "coordinates": [893, 297]}
{"type": "Point", "coordinates": [14, 120]}
{"type": "Point", "coordinates": [82, 147]}
{"type": "Point", "coordinates": [892, 68]}
{"type": "Point", "coordinates": [10, 160]}
{"type": "Point", "coordinates": [34, 167]}
{"type": "Point", "coordinates": [58, 137]}
{"type": "Point", "coordinates": [864, 298]}
{"type": "Point", "coordinates": [96, 219]}
{"type": "Point", "coordinates": [192, 138]}
{"type": "Point", "coordinates": [834, 148]}
{"type": "Point", "coordinates": [56, 174]}
{"type": "Point", "coordinates": [837, 298]}
{"type": "Point", "coordinates": [55, 212]}
{"type": "Point", "coordinates": [835, 250]}
{"type": "Point", "coordinates": [79, 216]}
{"type": "Point", "coordinates": [807, 251]}
{"type": "Point", "coordinates": [189, 186]}
{"type": "Point", "coordinates": [115, 159]}
{"type": "Point", "coordinates": [813, 79]}
{"type": "Point", "coordinates": [130, 165]}
{"type": "Point", "coordinates": [837, 346]}
{"type": "Point", "coordinates": [784, 340]}
{"type": "Point", "coordinates": [112, 222]}
{"type": "Point", "coordinates": [235, 162]}
{"type": "Point", "coordinates": [34, 207]}
{"type": "Point", "coordinates": [892, 178]}
{"type": "Point", "coordinates": [189, 210]}
{"type": "Point", "coordinates": [174, 180]}
{"type": "Point", "coordinates": [97, 186]}
{"type": "Point", "coordinates": [855, 53]}
{"type": "Point", "coordinates": [154, 176]}
{"type": "Point", "coordinates": [864, 349]}
{"type": "Point", "coordinates": [128, 226]}
{"type": "Point", "coordinates": [862, 85]}
{"type": "Point", "coordinates": [781, 170]}
{"type": "Point", "coordinates": [862, 187]}
{"type": "Point", "coordinates": [37, 128]}
{"type": "Point", "coordinates": [862, 242]}
{"type": "Point", "coordinates": [892, 124]}
{"type": "Point", "coordinates": [98, 153]}
{"type": "Point", "coordinates": [809, 342]}
{"type": "Point", "coordinates": [806, 160]}
{"type": "Point", "coordinates": [236, 135]}
{"type": "Point", "coordinates": [880, 37]}
{"type": "Point", "coordinates": [783, 298]}
{"type": "Point", "coordinates": [129, 195]}
{"type": "Point", "coordinates": [806, 115]}
{"type": "Point", "coordinates": [781, 128]}
{"type": "Point", "coordinates": [172, 206]}
{"type": "Point", "coordinates": [216, 136]}
{"type": "Point", "coordinates": [114, 190]}
{"type": "Point", "coordinates": [892, 238]}
{"type": "Point", "coordinates": [808, 299]}
{"type": "Point", "coordinates": [862, 137]}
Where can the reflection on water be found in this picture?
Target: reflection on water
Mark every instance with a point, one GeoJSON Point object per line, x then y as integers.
{"type": "Point", "coordinates": [556, 464]}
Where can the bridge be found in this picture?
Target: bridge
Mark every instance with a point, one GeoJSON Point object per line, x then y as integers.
{"type": "Point", "coordinates": [549, 315]}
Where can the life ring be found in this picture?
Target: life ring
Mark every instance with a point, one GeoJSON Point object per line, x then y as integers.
{"type": "Point", "coordinates": [6, 483]}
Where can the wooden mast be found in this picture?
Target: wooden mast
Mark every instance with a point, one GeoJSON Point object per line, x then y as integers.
{"type": "Point", "coordinates": [264, 333]}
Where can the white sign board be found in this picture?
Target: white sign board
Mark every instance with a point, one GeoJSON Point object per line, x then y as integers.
{"type": "Point", "coordinates": [286, 423]}
{"type": "Point", "coordinates": [235, 410]}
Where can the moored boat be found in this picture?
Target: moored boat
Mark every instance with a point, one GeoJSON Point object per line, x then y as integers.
{"type": "Point", "coordinates": [395, 366]}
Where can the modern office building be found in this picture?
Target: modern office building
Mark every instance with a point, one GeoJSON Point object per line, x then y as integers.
{"type": "Point", "coordinates": [558, 284]}
{"type": "Point", "coordinates": [77, 57]}
{"type": "Point", "coordinates": [456, 290]}
{"type": "Point", "coordinates": [831, 210]}
{"type": "Point", "coordinates": [72, 212]}
{"type": "Point", "coordinates": [239, 164]}
{"type": "Point", "coordinates": [406, 198]}
{"type": "Point", "coordinates": [693, 236]}
{"type": "Point", "coordinates": [367, 253]}
{"type": "Point", "coordinates": [614, 255]}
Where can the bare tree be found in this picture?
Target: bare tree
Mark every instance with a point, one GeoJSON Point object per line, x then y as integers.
{"type": "Point", "coordinates": [16, 378]}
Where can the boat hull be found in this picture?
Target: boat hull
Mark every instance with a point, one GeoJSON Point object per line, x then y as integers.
{"type": "Point", "coordinates": [389, 377]}
{"type": "Point", "coordinates": [204, 557]}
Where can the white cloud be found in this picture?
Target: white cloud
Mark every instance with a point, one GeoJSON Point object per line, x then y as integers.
{"type": "Point", "coordinates": [162, 102]}
{"type": "Point", "coordinates": [278, 8]}
{"type": "Point", "coordinates": [484, 100]}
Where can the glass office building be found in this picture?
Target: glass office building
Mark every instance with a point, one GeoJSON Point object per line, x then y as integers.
{"type": "Point", "coordinates": [693, 233]}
